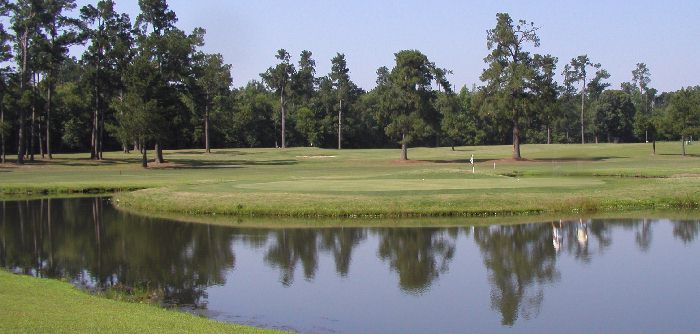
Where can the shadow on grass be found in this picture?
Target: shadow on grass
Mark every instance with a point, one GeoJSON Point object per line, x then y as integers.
{"type": "Point", "coordinates": [199, 164]}
{"type": "Point", "coordinates": [575, 159]}
{"type": "Point", "coordinates": [692, 155]}
{"type": "Point", "coordinates": [456, 161]}
{"type": "Point", "coordinates": [79, 162]}
{"type": "Point", "coordinates": [215, 152]}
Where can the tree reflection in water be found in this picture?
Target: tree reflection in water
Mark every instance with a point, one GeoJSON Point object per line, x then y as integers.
{"type": "Point", "coordinates": [180, 260]}
{"type": "Point", "coordinates": [418, 255]}
{"type": "Point", "coordinates": [88, 242]}
{"type": "Point", "coordinates": [290, 247]}
{"type": "Point", "coordinates": [520, 259]}
{"type": "Point", "coordinates": [686, 230]}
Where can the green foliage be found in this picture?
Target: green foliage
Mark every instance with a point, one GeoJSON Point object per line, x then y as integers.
{"type": "Point", "coordinates": [407, 100]}
{"type": "Point", "coordinates": [615, 114]}
{"type": "Point", "coordinates": [683, 112]}
{"type": "Point", "coordinates": [509, 71]}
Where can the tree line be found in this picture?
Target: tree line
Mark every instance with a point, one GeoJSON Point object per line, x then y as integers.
{"type": "Point", "coordinates": [145, 83]}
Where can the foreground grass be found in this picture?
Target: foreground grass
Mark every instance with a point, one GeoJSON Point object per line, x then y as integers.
{"type": "Point", "coordinates": [32, 305]}
{"type": "Point", "coordinates": [437, 182]}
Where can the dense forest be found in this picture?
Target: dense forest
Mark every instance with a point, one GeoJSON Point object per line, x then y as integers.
{"type": "Point", "coordinates": [144, 83]}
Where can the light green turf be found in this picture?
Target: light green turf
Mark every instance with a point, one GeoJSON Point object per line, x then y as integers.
{"type": "Point", "coordinates": [32, 305]}
{"type": "Point", "coordinates": [437, 181]}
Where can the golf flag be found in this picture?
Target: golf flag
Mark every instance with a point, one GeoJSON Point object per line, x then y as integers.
{"type": "Point", "coordinates": [471, 160]}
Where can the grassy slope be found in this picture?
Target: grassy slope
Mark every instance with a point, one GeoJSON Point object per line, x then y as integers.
{"type": "Point", "coordinates": [438, 181]}
{"type": "Point", "coordinates": [31, 305]}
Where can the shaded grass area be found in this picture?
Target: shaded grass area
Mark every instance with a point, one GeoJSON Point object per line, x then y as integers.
{"type": "Point", "coordinates": [32, 305]}
{"type": "Point", "coordinates": [311, 182]}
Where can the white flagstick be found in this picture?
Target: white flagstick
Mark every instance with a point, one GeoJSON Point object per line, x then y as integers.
{"type": "Point", "coordinates": [471, 160]}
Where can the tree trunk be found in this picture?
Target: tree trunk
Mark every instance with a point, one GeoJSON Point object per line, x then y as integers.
{"type": "Point", "coordinates": [2, 134]}
{"type": "Point", "coordinates": [516, 139]}
{"type": "Point", "coordinates": [100, 138]}
{"type": "Point", "coordinates": [653, 147]}
{"type": "Point", "coordinates": [32, 132]}
{"type": "Point", "coordinates": [41, 140]}
{"type": "Point", "coordinates": [20, 138]}
{"type": "Point", "coordinates": [21, 148]}
{"type": "Point", "coordinates": [583, 138]}
{"type": "Point", "coordinates": [549, 135]}
{"type": "Point", "coordinates": [583, 104]}
{"type": "Point", "coordinates": [340, 125]}
{"type": "Point", "coordinates": [207, 148]}
{"type": "Point", "coordinates": [404, 148]}
{"type": "Point", "coordinates": [159, 153]}
{"type": "Point", "coordinates": [683, 144]}
{"type": "Point", "coordinates": [93, 136]}
{"type": "Point", "coordinates": [48, 122]}
{"type": "Point", "coordinates": [284, 142]}
{"type": "Point", "coordinates": [95, 150]}
{"type": "Point", "coordinates": [144, 157]}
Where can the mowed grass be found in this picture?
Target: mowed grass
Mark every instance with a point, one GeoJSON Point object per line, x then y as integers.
{"type": "Point", "coordinates": [347, 183]}
{"type": "Point", "coordinates": [32, 305]}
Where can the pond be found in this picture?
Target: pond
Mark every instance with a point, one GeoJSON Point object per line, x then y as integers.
{"type": "Point", "coordinates": [580, 275]}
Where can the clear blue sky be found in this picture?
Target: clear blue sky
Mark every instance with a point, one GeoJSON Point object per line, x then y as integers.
{"type": "Point", "coordinates": [663, 34]}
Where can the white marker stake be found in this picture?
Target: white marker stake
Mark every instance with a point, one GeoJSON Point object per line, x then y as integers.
{"type": "Point", "coordinates": [473, 171]}
{"type": "Point", "coordinates": [494, 165]}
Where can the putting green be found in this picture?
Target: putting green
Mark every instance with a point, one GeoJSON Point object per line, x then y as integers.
{"type": "Point", "coordinates": [383, 185]}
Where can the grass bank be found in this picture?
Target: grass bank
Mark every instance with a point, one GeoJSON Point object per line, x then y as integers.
{"type": "Point", "coordinates": [32, 305]}
{"type": "Point", "coordinates": [310, 182]}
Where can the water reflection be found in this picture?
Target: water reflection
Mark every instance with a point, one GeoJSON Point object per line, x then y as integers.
{"type": "Point", "coordinates": [91, 244]}
{"type": "Point", "coordinates": [419, 255]}
{"type": "Point", "coordinates": [520, 261]}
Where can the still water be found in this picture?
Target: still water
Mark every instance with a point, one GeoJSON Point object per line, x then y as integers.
{"type": "Point", "coordinates": [578, 276]}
